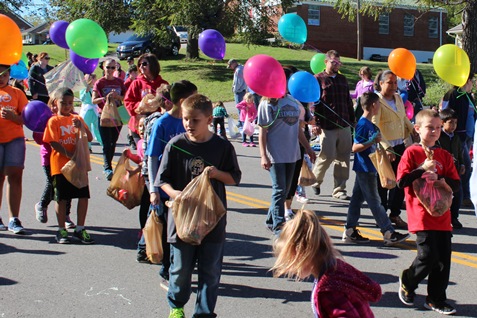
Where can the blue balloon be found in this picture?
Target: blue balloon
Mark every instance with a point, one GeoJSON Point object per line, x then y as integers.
{"type": "Point", "coordinates": [292, 28]}
{"type": "Point", "coordinates": [19, 71]}
{"type": "Point", "coordinates": [304, 87]}
{"type": "Point", "coordinates": [404, 96]}
{"type": "Point", "coordinates": [36, 115]}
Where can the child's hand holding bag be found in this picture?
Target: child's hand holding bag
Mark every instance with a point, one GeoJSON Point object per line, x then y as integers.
{"type": "Point", "coordinates": [76, 170]}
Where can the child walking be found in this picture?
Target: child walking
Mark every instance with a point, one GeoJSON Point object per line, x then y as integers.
{"type": "Point", "coordinates": [89, 111]}
{"type": "Point", "coordinates": [304, 249]}
{"type": "Point", "coordinates": [453, 145]}
{"type": "Point", "coordinates": [219, 114]}
{"type": "Point", "coordinates": [366, 138]}
{"type": "Point", "coordinates": [185, 157]}
{"type": "Point", "coordinates": [60, 134]}
{"type": "Point", "coordinates": [248, 111]}
{"type": "Point", "coordinates": [433, 233]}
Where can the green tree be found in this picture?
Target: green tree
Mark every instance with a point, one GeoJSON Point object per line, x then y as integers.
{"type": "Point", "coordinates": [112, 15]}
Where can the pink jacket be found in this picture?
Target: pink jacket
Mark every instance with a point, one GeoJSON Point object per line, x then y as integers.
{"type": "Point", "coordinates": [247, 109]}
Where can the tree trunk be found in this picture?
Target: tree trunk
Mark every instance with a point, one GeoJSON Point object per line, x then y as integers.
{"type": "Point", "coordinates": [469, 33]}
{"type": "Point", "coordinates": [192, 48]}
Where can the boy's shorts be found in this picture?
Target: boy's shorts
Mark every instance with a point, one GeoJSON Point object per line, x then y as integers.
{"type": "Point", "coordinates": [64, 190]}
{"type": "Point", "coordinates": [12, 153]}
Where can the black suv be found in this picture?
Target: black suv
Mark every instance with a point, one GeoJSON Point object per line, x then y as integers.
{"type": "Point", "coordinates": [136, 45]}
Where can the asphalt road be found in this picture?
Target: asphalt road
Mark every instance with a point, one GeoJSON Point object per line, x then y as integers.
{"type": "Point", "coordinates": [40, 278]}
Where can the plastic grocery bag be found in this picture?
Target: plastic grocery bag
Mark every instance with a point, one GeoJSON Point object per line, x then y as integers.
{"type": "Point", "coordinates": [307, 178]}
{"type": "Point", "coordinates": [127, 184]}
{"type": "Point", "coordinates": [153, 236]}
{"type": "Point", "coordinates": [76, 170]}
{"type": "Point", "coordinates": [149, 104]}
{"type": "Point", "coordinates": [110, 115]}
{"type": "Point", "coordinates": [248, 127]}
{"type": "Point", "coordinates": [197, 210]}
{"type": "Point", "coordinates": [381, 162]}
{"type": "Point", "coordinates": [233, 129]}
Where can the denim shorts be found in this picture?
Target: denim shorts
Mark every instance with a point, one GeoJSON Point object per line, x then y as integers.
{"type": "Point", "coordinates": [64, 190]}
{"type": "Point", "coordinates": [12, 153]}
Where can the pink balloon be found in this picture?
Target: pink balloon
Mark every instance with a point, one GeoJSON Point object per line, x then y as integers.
{"type": "Point", "coordinates": [265, 76]}
{"type": "Point", "coordinates": [409, 109]}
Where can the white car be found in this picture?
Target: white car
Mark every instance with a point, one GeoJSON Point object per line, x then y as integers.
{"type": "Point", "coordinates": [181, 32]}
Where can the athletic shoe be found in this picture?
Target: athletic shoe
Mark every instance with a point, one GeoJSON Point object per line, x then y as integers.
{"type": "Point", "coordinates": [142, 257]}
{"type": "Point", "coordinates": [343, 197]}
{"type": "Point", "coordinates": [289, 214]}
{"type": "Point", "coordinates": [16, 227]}
{"type": "Point", "coordinates": [245, 144]}
{"type": "Point", "coordinates": [177, 313]}
{"type": "Point", "coordinates": [316, 190]}
{"type": "Point", "coordinates": [83, 237]}
{"type": "Point", "coordinates": [2, 226]}
{"type": "Point", "coordinates": [406, 296]}
{"type": "Point", "coordinates": [393, 238]}
{"type": "Point", "coordinates": [109, 174]}
{"type": "Point", "coordinates": [252, 144]}
{"type": "Point", "coordinates": [398, 222]}
{"type": "Point", "coordinates": [62, 237]}
{"type": "Point", "coordinates": [441, 307]}
{"type": "Point", "coordinates": [41, 213]}
{"type": "Point", "coordinates": [301, 198]}
{"type": "Point", "coordinates": [69, 223]}
{"type": "Point", "coordinates": [353, 235]}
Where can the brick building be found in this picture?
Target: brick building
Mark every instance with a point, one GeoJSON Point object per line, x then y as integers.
{"type": "Point", "coordinates": [405, 26]}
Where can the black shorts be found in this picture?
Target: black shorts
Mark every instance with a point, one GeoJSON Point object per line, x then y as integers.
{"type": "Point", "coordinates": [64, 190]}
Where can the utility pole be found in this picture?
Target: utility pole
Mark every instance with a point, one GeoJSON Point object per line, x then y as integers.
{"type": "Point", "coordinates": [359, 42]}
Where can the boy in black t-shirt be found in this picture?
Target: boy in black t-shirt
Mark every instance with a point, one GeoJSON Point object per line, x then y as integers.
{"type": "Point", "coordinates": [185, 157]}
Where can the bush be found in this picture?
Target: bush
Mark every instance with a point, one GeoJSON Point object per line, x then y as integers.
{"type": "Point", "coordinates": [435, 90]}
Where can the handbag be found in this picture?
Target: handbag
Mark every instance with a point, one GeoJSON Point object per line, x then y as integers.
{"type": "Point", "coordinates": [197, 210]}
{"type": "Point", "coordinates": [127, 184]}
{"type": "Point", "coordinates": [76, 169]}
{"type": "Point", "coordinates": [383, 166]}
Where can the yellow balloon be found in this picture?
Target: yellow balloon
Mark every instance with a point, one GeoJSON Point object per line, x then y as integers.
{"type": "Point", "coordinates": [452, 64]}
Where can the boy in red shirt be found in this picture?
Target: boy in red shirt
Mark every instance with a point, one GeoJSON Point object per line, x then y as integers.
{"type": "Point", "coordinates": [433, 234]}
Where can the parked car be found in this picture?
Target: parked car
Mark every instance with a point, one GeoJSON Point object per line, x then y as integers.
{"type": "Point", "coordinates": [378, 58]}
{"type": "Point", "coordinates": [181, 32]}
{"type": "Point", "coordinates": [137, 45]}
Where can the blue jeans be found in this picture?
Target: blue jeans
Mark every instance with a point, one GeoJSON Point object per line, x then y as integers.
{"type": "Point", "coordinates": [281, 175]}
{"type": "Point", "coordinates": [238, 97]}
{"type": "Point", "coordinates": [209, 258]}
{"type": "Point", "coordinates": [366, 189]}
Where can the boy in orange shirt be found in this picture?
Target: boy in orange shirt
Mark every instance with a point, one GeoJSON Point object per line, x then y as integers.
{"type": "Point", "coordinates": [60, 133]}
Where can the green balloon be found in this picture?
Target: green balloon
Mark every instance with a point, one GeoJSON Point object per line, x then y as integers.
{"type": "Point", "coordinates": [87, 39]}
{"type": "Point", "coordinates": [317, 63]}
{"type": "Point", "coordinates": [24, 58]}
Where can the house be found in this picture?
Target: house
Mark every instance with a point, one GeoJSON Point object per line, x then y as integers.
{"type": "Point", "coordinates": [37, 35]}
{"type": "Point", "coordinates": [22, 24]}
{"type": "Point", "coordinates": [456, 32]}
{"type": "Point", "coordinates": [405, 26]}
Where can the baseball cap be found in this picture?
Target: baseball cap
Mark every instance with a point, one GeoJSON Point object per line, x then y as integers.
{"type": "Point", "coordinates": [230, 62]}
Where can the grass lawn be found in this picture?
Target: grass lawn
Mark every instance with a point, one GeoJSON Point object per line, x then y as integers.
{"type": "Point", "coordinates": [215, 80]}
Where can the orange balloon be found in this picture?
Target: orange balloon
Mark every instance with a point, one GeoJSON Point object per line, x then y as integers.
{"type": "Point", "coordinates": [402, 63]}
{"type": "Point", "coordinates": [10, 41]}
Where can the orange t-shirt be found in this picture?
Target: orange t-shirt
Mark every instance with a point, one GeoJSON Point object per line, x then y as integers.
{"type": "Point", "coordinates": [61, 130]}
{"type": "Point", "coordinates": [14, 99]}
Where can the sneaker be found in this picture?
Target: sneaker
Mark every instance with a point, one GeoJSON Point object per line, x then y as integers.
{"type": "Point", "coordinates": [245, 144]}
{"type": "Point", "coordinates": [142, 257]}
{"type": "Point", "coordinates": [2, 226]}
{"type": "Point", "coordinates": [301, 198]}
{"type": "Point", "coordinates": [41, 213]}
{"type": "Point", "coordinates": [354, 236]}
{"type": "Point", "coordinates": [316, 190]}
{"type": "Point", "coordinates": [289, 214]}
{"type": "Point", "coordinates": [164, 283]}
{"type": "Point", "coordinates": [109, 174]}
{"type": "Point", "coordinates": [456, 224]}
{"type": "Point", "coordinates": [15, 226]}
{"type": "Point", "coordinates": [391, 239]}
{"type": "Point", "coordinates": [398, 222]}
{"type": "Point", "coordinates": [62, 237]}
{"type": "Point", "coordinates": [252, 144]}
{"type": "Point", "coordinates": [177, 313]}
{"type": "Point", "coordinates": [343, 197]}
{"type": "Point", "coordinates": [83, 237]}
{"type": "Point", "coordinates": [441, 307]}
{"type": "Point", "coordinates": [69, 223]}
{"type": "Point", "coordinates": [406, 296]}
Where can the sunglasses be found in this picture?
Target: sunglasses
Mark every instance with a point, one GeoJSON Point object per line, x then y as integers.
{"type": "Point", "coordinates": [46, 57]}
{"type": "Point", "coordinates": [111, 67]}
{"type": "Point", "coordinates": [144, 64]}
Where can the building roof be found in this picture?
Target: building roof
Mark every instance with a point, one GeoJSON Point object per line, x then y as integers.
{"type": "Point", "coordinates": [455, 30]}
{"type": "Point", "coordinates": [42, 28]}
{"type": "Point", "coordinates": [403, 4]}
{"type": "Point", "coordinates": [22, 23]}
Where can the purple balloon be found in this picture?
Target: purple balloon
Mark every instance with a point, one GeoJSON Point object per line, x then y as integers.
{"type": "Point", "coordinates": [212, 44]}
{"type": "Point", "coordinates": [35, 115]}
{"type": "Point", "coordinates": [57, 33]}
{"type": "Point", "coordinates": [84, 64]}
